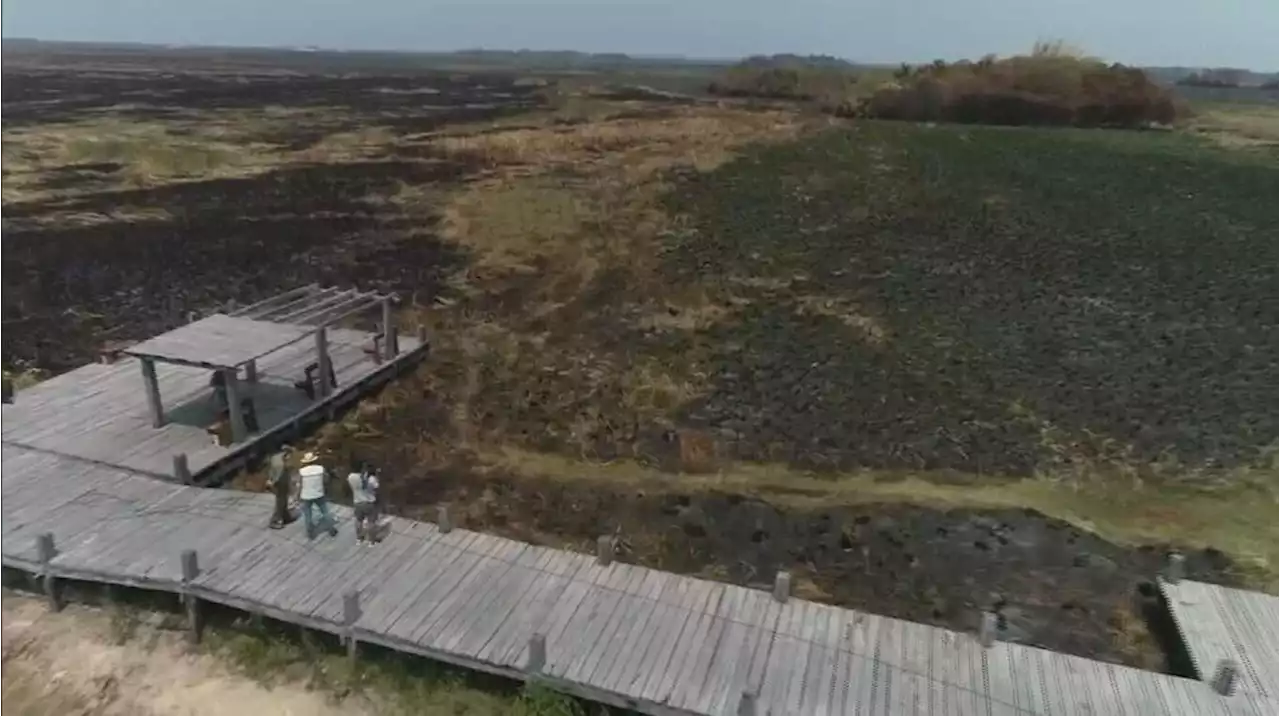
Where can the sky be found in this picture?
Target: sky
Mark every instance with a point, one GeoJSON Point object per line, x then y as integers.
{"type": "Point", "coordinates": [1209, 33]}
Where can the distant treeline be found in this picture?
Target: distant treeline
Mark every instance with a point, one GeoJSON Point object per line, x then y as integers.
{"type": "Point", "coordinates": [1051, 85]}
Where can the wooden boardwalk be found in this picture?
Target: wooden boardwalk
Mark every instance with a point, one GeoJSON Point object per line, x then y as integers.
{"type": "Point", "coordinates": [99, 412]}
{"type": "Point", "coordinates": [618, 634]}
{"type": "Point", "coordinates": [1222, 624]}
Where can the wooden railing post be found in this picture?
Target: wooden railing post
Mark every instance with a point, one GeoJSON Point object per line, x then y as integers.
{"type": "Point", "coordinates": [782, 586]}
{"type": "Point", "coordinates": [151, 382]}
{"type": "Point", "coordinates": [1225, 678]}
{"type": "Point", "coordinates": [747, 704]}
{"type": "Point", "coordinates": [351, 615]}
{"type": "Point", "coordinates": [389, 338]}
{"type": "Point", "coordinates": [604, 550]}
{"type": "Point", "coordinates": [190, 570]}
{"type": "Point", "coordinates": [1175, 568]}
{"type": "Point", "coordinates": [181, 469]}
{"type": "Point", "coordinates": [45, 552]}
{"type": "Point", "coordinates": [6, 391]}
{"type": "Point", "coordinates": [442, 519]}
{"type": "Point", "coordinates": [323, 365]}
{"type": "Point", "coordinates": [537, 653]}
{"type": "Point", "coordinates": [987, 628]}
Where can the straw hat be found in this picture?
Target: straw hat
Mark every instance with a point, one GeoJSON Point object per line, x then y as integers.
{"type": "Point", "coordinates": [309, 458]}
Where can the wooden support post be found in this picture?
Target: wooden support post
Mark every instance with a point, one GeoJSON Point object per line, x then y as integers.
{"type": "Point", "coordinates": [442, 520]}
{"type": "Point", "coordinates": [181, 469]}
{"type": "Point", "coordinates": [1226, 677]}
{"type": "Point", "coordinates": [251, 371]}
{"type": "Point", "coordinates": [1175, 568]}
{"type": "Point", "coordinates": [987, 628]}
{"type": "Point", "coordinates": [323, 366]}
{"type": "Point", "coordinates": [234, 410]}
{"type": "Point", "coordinates": [747, 704]}
{"type": "Point", "coordinates": [537, 653]}
{"type": "Point", "coordinates": [351, 615]}
{"type": "Point", "coordinates": [422, 333]}
{"type": "Point", "coordinates": [6, 391]}
{"type": "Point", "coordinates": [192, 316]}
{"type": "Point", "coordinates": [45, 552]}
{"type": "Point", "coordinates": [782, 586]}
{"type": "Point", "coordinates": [152, 384]}
{"type": "Point", "coordinates": [604, 550]}
{"type": "Point", "coordinates": [390, 343]}
{"type": "Point", "coordinates": [190, 569]}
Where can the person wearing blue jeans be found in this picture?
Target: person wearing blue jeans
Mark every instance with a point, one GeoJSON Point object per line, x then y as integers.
{"type": "Point", "coordinates": [312, 496]}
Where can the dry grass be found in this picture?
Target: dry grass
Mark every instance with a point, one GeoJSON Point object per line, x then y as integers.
{"type": "Point", "coordinates": [1239, 125]}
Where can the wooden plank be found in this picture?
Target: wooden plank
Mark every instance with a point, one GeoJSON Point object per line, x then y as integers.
{"type": "Point", "coordinates": [863, 666]}
{"type": "Point", "coordinates": [582, 629]}
{"type": "Point", "coordinates": [630, 641]}
{"type": "Point", "coordinates": [674, 614]}
{"type": "Point", "coordinates": [596, 651]}
{"type": "Point", "coordinates": [529, 613]}
{"type": "Point", "coordinates": [629, 674]}
{"type": "Point", "coordinates": [776, 678]}
{"type": "Point", "coordinates": [684, 647]}
{"type": "Point", "coordinates": [562, 593]}
{"type": "Point", "coordinates": [468, 607]}
{"type": "Point", "coordinates": [912, 692]}
{"type": "Point", "coordinates": [423, 577]}
{"type": "Point", "coordinates": [361, 566]}
{"type": "Point", "coordinates": [428, 601]}
{"type": "Point", "coordinates": [500, 603]}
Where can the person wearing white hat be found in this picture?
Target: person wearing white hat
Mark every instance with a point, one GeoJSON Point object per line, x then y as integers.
{"type": "Point", "coordinates": [311, 495]}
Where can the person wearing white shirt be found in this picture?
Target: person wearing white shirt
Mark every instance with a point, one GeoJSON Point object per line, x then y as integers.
{"type": "Point", "coordinates": [364, 501]}
{"type": "Point", "coordinates": [311, 495]}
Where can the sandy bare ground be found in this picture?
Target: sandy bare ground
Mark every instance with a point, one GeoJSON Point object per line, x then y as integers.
{"type": "Point", "coordinates": [76, 663]}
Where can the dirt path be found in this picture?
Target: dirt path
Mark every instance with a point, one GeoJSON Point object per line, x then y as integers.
{"type": "Point", "coordinates": [76, 663]}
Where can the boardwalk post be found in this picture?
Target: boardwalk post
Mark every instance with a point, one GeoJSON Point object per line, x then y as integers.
{"type": "Point", "coordinates": [442, 519]}
{"type": "Point", "coordinates": [181, 469]}
{"type": "Point", "coordinates": [1225, 678]}
{"type": "Point", "coordinates": [747, 704]}
{"type": "Point", "coordinates": [6, 391]}
{"type": "Point", "coordinates": [1175, 568]}
{"type": "Point", "coordinates": [251, 371]}
{"type": "Point", "coordinates": [987, 628]}
{"type": "Point", "coordinates": [192, 316]}
{"type": "Point", "coordinates": [782, 586]}
{"type": "Point", "coordinates": [45, 552]}
{"type": "Point", "coordinates": [604, 550]}
{"type": "Point", "coordinates": [351, 615]}
{"type": "Point", "coordinates": [323, 366]}
{"type": "Point", "coordinates": [537, 653]}
{"type": "Point", "coordinates": [389, 340]}
{"type": "Point", "coordinates": [234, 410]}
{"type": "Point", "coordinates": [190, 569]}
{"type": "Point", "coordinates": [152, 384]}
{"type": "Point", "coordinates": [422, 333]}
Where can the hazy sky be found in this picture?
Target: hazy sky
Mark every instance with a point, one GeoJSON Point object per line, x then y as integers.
{"type": "Point", "coordinates": [1240, 33]}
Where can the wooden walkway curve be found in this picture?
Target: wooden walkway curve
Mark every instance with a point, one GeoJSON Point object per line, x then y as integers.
{"type": "Point", "coordinates": [618, 634]}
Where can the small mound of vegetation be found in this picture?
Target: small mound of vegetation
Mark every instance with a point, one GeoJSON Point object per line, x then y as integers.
{"type": "Point", "coordinates": [822, 79]}
{"type": "Point", "coordinates": [1050, 86]}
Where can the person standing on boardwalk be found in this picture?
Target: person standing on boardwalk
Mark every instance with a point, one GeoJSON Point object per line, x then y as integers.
{"type": "Point", "coordinates": [311, 493]}
{"type": "Point", "coordinates": [280, 481]}
{"type": "Point", "coordinates": [364, 501]}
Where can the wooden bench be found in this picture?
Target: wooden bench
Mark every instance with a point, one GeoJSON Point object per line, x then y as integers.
{"type": "Point", "coordinates": [220, 430]}
{"type": "Point", "coordinates": [308, 383]}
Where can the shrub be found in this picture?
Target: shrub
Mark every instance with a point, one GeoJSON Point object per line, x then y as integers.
{"type": "Point", "coordinates": [1049, 86]}
{"type": "Point", "coordinates": [787, 77]}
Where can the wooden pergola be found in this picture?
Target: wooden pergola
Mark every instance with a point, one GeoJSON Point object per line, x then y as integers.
{"type": "Point", "coordinates": [225, 343]}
